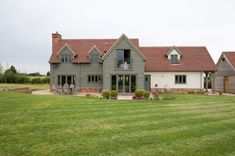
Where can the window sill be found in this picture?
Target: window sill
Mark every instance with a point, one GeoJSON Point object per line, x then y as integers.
{"type": "Point", "coordinates": [123, 69]}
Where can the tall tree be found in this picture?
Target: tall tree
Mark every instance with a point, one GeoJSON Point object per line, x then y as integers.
{"type": "Point", "coordinates": [1, 68]}
{"type": "Point", "coordinates": [48, 73]}
{"type": "Point", "coordinates": [13, 69]}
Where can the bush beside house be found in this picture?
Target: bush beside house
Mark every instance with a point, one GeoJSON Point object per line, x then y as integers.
{"type": "Point", "coordinates": [106, 94]}
{"type": "Point", "coordinates": [113, 94]}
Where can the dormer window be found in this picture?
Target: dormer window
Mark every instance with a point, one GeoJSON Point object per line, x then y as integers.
{"type": "Point", "coordinates": [94, 55]}
{"type": "Point", "coordinates": [95, 58]}
{"type": "Point", "coordinates": [66, 58]}
{"type": "Point", "coordinates": [174, 59]}
{"type": "Point", "coordinates": [174, 55]}
{"type": "Point", "coordinates": [66, 54]}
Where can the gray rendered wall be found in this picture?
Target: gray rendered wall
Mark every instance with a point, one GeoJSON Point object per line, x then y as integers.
{"type": "Point", "coordinates": [109, 66]}
{"type": "Point", "coordinates": [81, 71]}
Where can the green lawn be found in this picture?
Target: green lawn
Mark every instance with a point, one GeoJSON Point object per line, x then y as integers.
{"type": "Point", "coordinates": [65, 125]}
{"type": "Point", "coordinates": [31, 86]}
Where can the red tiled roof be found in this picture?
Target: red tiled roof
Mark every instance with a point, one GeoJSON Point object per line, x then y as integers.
{"type": "Point", "coordinates": [193, 59]}
{"type": "Point", "coordinates": [231, 57]}
{"type": "Point", "coordinates": [82, 46]}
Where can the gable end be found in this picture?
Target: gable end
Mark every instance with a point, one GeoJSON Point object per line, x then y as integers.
{"type": "Point", "coordinates": [118, 41]}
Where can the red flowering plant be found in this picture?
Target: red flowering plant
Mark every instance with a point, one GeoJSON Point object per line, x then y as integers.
{"type": "Point", "coordinates": [133, 97]}
{"type": "Point", "coordinates": [155, 94]}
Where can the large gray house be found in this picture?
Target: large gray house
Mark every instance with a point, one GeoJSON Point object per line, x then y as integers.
{"type": "Point", "coordinates": [123, 65]}
{"type": "Point", "coordinates": [224, 77]}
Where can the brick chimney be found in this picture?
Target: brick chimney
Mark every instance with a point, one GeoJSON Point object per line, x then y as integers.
{"type": "Point", "coordinates": [56, 37]}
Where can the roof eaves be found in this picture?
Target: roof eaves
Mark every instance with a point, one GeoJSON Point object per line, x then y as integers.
{"type": "Point", "coordinates": [224, 54]}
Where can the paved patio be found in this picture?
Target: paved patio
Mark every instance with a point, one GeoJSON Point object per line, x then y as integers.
{"type": "Point", "coordinates": [120, 97]}
{"type": "Point", "coordinates": [42, 92]}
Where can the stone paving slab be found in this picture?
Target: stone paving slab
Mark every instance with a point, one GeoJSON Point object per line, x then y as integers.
{"type": "Point", "coordinates": [42, 92]}
{"type": "Point", "coordinates": [124, 97]}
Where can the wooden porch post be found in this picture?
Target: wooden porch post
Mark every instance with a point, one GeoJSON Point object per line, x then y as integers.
{"type": "Point", "coordinates": [206, 81]}
{"type": "Point", "coordinates": [213, 82]}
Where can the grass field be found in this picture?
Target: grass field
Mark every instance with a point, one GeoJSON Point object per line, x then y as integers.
{"type": "Point", "coordinates": [31, 86]}
{"type": "Point", "coordinates": [65, 125]}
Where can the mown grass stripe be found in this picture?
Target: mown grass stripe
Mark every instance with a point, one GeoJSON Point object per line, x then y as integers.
{"type": "Point", "coordinates": [97, 126]}
{"type": "Point", "coordinates": [61, 125]}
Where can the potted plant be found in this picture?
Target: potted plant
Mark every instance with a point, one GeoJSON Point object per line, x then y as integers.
{"type": "Point", "coordinates": [139, 94]}
{"type": "Point", "coordinates": [113, 94]}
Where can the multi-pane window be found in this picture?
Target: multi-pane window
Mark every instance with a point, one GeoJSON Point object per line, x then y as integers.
{"type": "Point", "coordinates": [66, 79]}
{"type": "Point", "coordinates": [180, 79]}
{"type": "Point", "coordinates": [174, 59]}
{"type": "Point", "coordinates": [66, 58]}
{"type": "Point", "coordinates": [94, 78]}
{"type": "Point", "coordinates": [123, 59]}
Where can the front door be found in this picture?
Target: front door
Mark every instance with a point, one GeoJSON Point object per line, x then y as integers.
{"type": "Point", "coordinates": [147, 82]}
{"type": "Point", "coordinates": [226, 84]}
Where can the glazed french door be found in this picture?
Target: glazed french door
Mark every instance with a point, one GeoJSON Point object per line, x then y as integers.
{"type": "Point", "coordinates": [123, 83]}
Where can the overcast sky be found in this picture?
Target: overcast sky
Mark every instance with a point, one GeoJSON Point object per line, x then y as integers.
{"type": "Point", "coordinates": [26, 25]}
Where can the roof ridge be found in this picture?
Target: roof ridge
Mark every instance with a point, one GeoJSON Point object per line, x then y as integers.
{"type": "Point", "coordinates": [172, 46]}
{"type": "Point", "coordinates": [99, 39]}
{"type": "Point", "coordinates": [228, 51]}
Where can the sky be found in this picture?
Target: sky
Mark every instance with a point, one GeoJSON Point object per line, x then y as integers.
{"type": "Point", "coordinates": [26, 25]}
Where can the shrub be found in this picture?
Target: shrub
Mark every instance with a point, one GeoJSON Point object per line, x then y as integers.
{"type": "Point", "coordinates": [201, 92]}
{"type": "Point", "coordinates": [113, 93]}
{"type": "Point", "coordinates": [169, 97]}
{"type": "Point", "coordinates": [191, 92]}
{"type": "Point", "coordinates": [139, 93]}
{"type": "Point", "coordinates": [106, 94]}
{"type": "Point", "coordinates": [146, 94]}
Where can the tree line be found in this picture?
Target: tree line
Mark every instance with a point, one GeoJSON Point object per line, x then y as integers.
{"type": "Point", "coordinates": [12, 76]}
